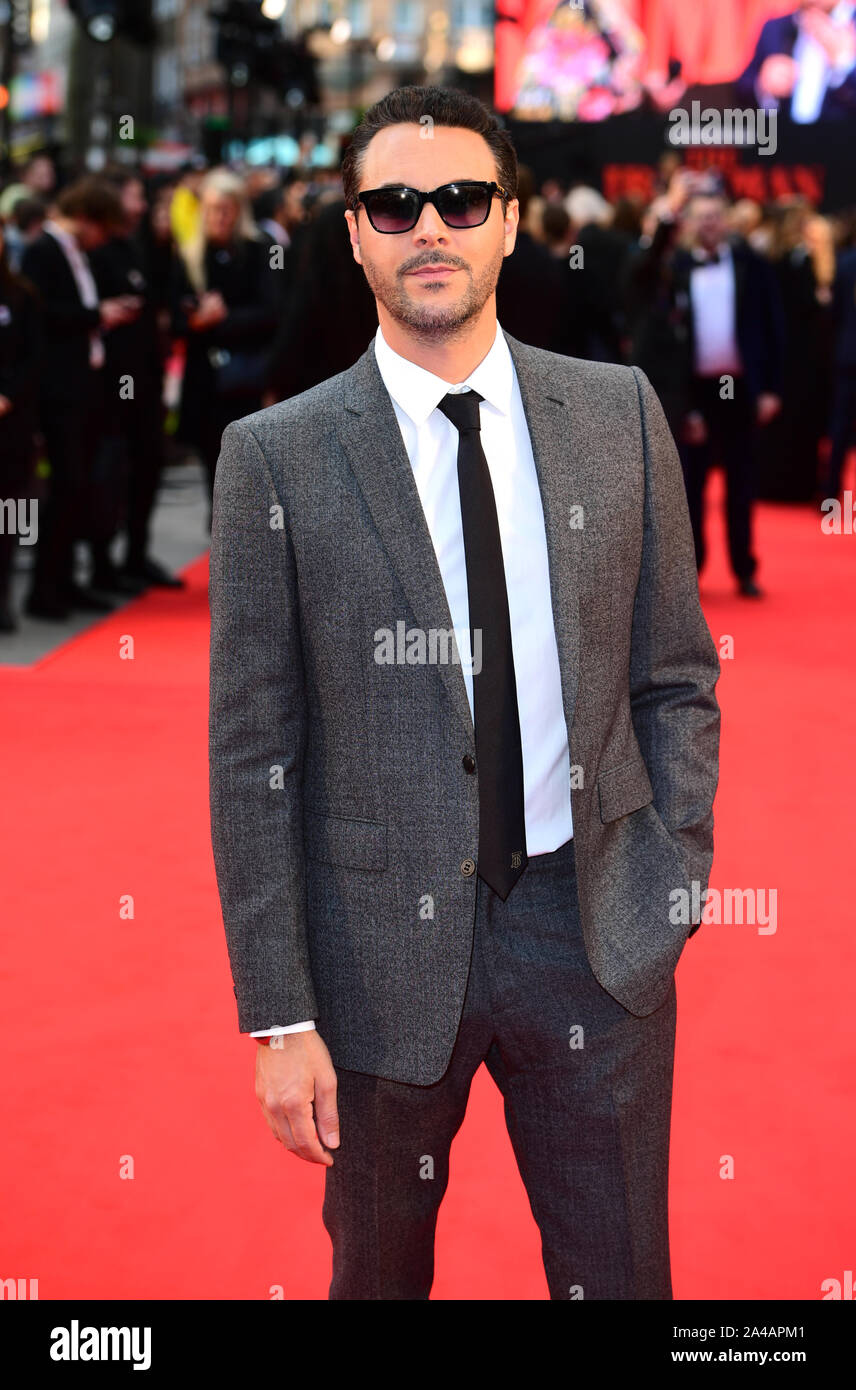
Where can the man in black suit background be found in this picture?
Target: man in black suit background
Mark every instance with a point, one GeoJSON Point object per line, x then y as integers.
{"type": "Point", "coordinates": [842, 423]}
{"type": "Point", "coordinates": [533, 295]}
{"type": "Point", "coordinates": [728, 311]}
{"type": "Point", "coordinates": [72, 387]}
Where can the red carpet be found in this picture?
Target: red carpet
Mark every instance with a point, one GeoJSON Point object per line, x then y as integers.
{"type": "Point", "coordinates": [119, 1032]}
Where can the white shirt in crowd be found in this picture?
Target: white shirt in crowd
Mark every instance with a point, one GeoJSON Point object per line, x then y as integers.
{"type": "Point", "coordinates": [713, 293]}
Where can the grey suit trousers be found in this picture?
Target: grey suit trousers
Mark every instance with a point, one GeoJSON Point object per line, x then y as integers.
{"type": "Point", "coordinates": [587, 1088]}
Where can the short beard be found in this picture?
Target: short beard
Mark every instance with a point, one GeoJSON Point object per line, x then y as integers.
{"type": "Point", "coordinates": [432, 325]}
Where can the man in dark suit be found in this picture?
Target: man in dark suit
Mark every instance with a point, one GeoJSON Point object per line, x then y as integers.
{"type": "Point", "coordinates": [463, 742]}
{"type": "Point", "coordinates": [135, 417]}
{"type": "Point", "coordinates": [330, 315]}
{"type": "Point", "coordinates": [533, 296]}
{"type": "Point", "coordinates": [842, 423]}
{"type": "Point", "coordinates": [72, 389]}
{"type": "Point", "coordinates": [729, 314]}
{"type": "Point", "coordinates": [805, 63]}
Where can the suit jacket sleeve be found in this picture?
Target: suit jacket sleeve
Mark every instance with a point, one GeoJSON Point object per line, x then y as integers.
{"type": "Point", "coordinates": [774, 38]}
{"type": "Point", "coordinates": [773, 329]}
{"type": "Point", "coordinates": [257, 725]}
{"type": "Point", "coordinates": [674, 665]}
{"type": "Point", "coordinates": [64, 313]}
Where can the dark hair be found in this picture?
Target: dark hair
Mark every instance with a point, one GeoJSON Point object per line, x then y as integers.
{"type": "Point", "coordinates": [555, 222]}
{"type": "Point", "coordinates": [27, 212]}
{"type": "Point", "coordinates": [266, 204]}
{"type": "Point", "coordinates": [92, 198]}
{"type": "Point", "coordinates": [525, 188]}
{"type": "Point", "coordinates": [627, 217]}
{"type": "Point", "coordinates": [121, 177]}
{"type": "Point", "coordinates": [711, 194]}
{"type": "Point", "coordinates": [446, 106]}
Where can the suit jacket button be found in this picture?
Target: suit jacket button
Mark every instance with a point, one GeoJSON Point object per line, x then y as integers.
{"type": "Point", "coordinates": [468, 867]}
{"type": "Point", "coordinates": [468, 762]}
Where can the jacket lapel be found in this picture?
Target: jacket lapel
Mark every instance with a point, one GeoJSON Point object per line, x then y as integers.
{"type": "Point", "coordinates": [372, 441]}
{"type": "Point", "coordinates": [369, 434]}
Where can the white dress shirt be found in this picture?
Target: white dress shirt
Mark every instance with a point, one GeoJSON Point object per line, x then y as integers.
{"type": "Point", "coordinates": [85, 281]}
{"type": "Point", "coordinates": [431, 442]}
{"type": "Point", "coordinates": [714, 299]}
{"type": "Point", "coordinates": [815, 73]}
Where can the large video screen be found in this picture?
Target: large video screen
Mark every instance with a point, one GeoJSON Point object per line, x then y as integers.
{"type": "Point", "coordinates": [586, 60]}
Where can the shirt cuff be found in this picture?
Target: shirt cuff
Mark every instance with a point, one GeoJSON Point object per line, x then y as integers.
{"type": "Point", "coordinates": [291, 1028]}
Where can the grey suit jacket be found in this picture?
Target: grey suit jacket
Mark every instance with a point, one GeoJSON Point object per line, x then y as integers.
{"type": "Point", "coordinates": [344, 825]}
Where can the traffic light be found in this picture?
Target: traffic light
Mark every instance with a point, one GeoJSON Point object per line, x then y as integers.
{"type": "Point", "coordinates": [245, 39]}
{"type": "Point", "coordinates": [104, 20]}
{"type": "Point", "coordinates": [252, 47]}
{"type": "Point", "coordinates": [18, 17]}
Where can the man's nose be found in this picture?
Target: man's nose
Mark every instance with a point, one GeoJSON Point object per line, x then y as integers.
{"type": "Point", "coordinates": [430, 226]}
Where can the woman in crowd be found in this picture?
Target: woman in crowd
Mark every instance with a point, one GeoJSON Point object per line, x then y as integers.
{"type": "Point", "coordinates": [223, 305]}
{"type": "Point", "coordinates": [802, 254]}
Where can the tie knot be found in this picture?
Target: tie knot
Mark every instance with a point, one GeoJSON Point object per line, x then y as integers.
{"type": "Point", "coordinates": [462, 408]}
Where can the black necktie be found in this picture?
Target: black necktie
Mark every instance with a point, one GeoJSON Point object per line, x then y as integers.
{"type": "Point", "coordinates": [499, 755]}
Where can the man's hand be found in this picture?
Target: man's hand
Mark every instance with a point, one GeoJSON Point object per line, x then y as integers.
{"type": "Point", "coordinates": [290, 1075]}
{"type": "Point", "coordinates": [694, 428]}
{"type": "Point", "coordinates": [768, 407]}
{"type": "Point", "coordinates": [124, 308]}
{"type": "Point", "coordinates": [837, 40]}
{"type": "Point", "coordinates": [211, 309]}
{"type": "Point", "coordinates": [778, 75]}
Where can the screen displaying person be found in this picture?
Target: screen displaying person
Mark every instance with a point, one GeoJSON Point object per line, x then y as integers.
{"type": "Point", "coordinates": [804, 63]}
{"type": "Point", "coordinates": [580, 62]}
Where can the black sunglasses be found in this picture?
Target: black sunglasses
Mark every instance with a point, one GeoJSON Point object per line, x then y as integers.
{"type": "Point", "coordinates": [466, 203]}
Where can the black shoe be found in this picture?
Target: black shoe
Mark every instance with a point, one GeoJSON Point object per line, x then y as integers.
{"type": "Point", "coordinates": [113, 581]}
{"type": "Point", "coordinates": [44, 606]}
{"type": "Point", "coordinates": [7, 622]}
{"type": "Point", "coordinates": [749, 589]}
{"type": "Point", "coordinates": [77, 597]}
{"type": "Point", "coordinates": [152, 572]}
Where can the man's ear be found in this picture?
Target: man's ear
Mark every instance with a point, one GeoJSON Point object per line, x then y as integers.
{"type": "Point", "coordinates": [354, 235]}
{"type": "Point", "coordinates": [511, 223]}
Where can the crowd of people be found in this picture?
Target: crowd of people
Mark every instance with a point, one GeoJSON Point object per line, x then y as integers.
{"type": "Point", "coordinates": [743, 317]}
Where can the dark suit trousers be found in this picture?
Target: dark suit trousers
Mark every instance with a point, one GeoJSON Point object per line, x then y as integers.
{"type": "Point", "coordinates": [143, 428]}
{"type": "Point", "coordinates": [588, 1122]}
{"type": "Point", "coordinates": [842, 428]}
{"type": "Point", "coordinates": [71, 432]}
{"type": "Point", "coordinates": [731, 442]}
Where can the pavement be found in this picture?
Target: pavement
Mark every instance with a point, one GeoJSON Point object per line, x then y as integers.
{"type": "Point", "coordinates": [179, 535]}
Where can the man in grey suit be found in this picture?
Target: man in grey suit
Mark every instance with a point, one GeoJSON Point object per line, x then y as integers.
{"type": "Point", "coordinates": [463, 742]}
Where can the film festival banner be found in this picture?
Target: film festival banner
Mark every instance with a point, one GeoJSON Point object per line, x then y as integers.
{"type": "Point", "coordinates": [762, 90]}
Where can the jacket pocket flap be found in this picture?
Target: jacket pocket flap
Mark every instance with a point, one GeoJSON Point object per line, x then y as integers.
{"type": "Point", "coordinates": [624, 789]}
{"type": "Point", "coordinates": [353, 844]}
